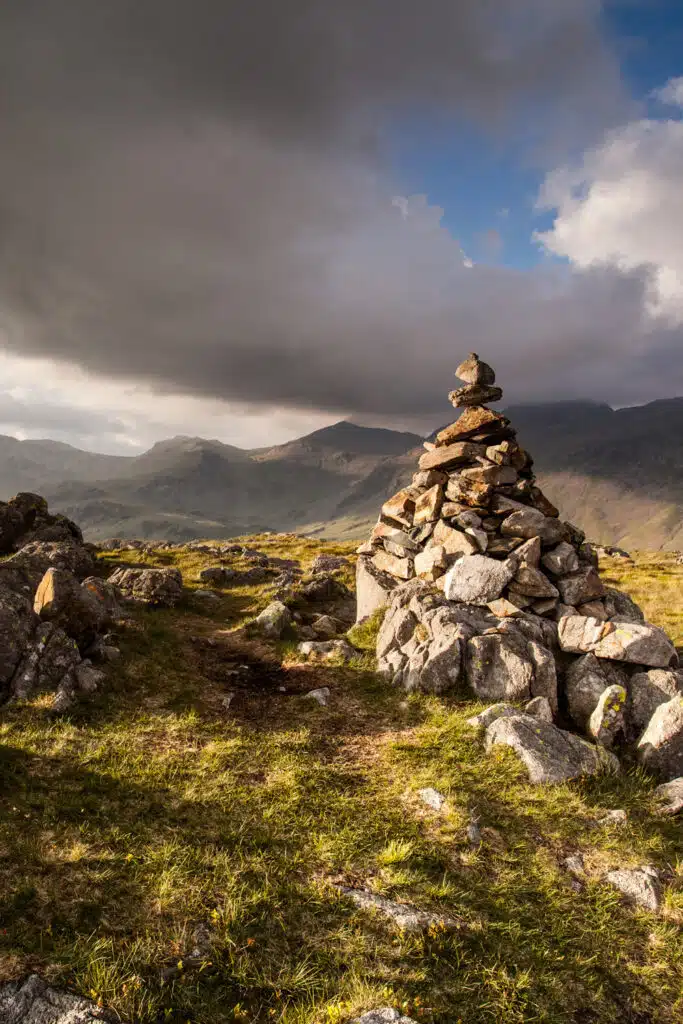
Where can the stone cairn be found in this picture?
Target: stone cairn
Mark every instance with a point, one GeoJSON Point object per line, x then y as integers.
{"type": "Point", "coordinates": [488, 592]}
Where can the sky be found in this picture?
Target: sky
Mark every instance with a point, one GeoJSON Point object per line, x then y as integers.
{"type": "Point", "coordinates": [247, 221]}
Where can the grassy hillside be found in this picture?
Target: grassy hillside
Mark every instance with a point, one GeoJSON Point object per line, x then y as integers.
{"type": "Point", "coordinates": [176, 858]}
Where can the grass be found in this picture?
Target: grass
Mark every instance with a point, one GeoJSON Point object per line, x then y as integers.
{"type": "Point", "coordinates": [655, 582]}
{"type": "Point", "coordinates": [177, 861]}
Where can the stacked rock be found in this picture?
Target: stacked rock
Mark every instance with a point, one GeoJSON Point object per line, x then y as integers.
{"type": "Point", "coordinates": [488, 589]}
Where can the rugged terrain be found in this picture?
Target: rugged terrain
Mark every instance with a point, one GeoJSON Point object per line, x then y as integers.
{"type": "Point", "coordinates": [173, 847]}
{"type": "Point", "coordinates": [617, 474]}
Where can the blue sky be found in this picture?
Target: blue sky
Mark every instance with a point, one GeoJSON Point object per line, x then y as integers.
{"type": "Point", "coordinates": [487, 185]}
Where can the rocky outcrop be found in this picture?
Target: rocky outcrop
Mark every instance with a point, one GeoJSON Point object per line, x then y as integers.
{"type": "Point", "coordinates": [488, 593]}
{"type": "Point", "coordinates": [25, 519]}
{"type": "Point", "coordinates": [159, 588]}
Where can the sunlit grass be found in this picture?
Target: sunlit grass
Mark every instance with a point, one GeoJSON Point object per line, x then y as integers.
{"type": "Point", "coordinates": [177, 861]}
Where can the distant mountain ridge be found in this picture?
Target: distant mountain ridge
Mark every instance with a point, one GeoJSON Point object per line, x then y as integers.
{"type": "Point", "coordinates": [617, 473]}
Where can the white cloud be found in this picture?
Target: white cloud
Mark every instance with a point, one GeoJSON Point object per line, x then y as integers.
{"type": "Point", "coordinates": [671, 93]}
{"type": "Point", "coordinates": [623, 207]}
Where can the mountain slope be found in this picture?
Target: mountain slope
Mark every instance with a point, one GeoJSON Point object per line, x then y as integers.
{"type": "Point", "coordinates": [616, 473]}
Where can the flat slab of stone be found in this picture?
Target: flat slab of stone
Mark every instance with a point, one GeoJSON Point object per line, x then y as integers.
{"type": "Point", "coordinates": [406, 917]}
{"type": "Point", "coordinates": [549, 754]}
{"type": "Point", "coordinates": [633, 642]}
{"type": "Point", "coordinates": [451, 455]}
{"type": "Point", "coordinates": [476, 579]}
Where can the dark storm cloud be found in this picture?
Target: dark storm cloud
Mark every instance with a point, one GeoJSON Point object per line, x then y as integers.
{"type": "Point", "coordinates": [193, 193]}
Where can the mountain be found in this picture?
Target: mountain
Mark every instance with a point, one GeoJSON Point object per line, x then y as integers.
{"type": "Point", "coordinates": [617, 473]}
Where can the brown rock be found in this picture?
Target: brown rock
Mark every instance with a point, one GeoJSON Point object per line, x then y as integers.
{"type": "Point", "coordinates": [472, 493]}
{"type": "Point", "coordinates": [383, 532]}
{"type": "Point", "coordinates": [532, 582]}
{"type": "Point", "coordinates": [429, 477]}
{"type": "Point", "coordinates": [473, 420]}
{"type": "Point", "coordinates": [431, 563]}
{"type": "Point", "coordinates": [504, 609]}
{"type": "Point", "coordinates": [595, 609]}
{"type": "Point", "coordinates": [474, 394]}
{"type": "Point", "coordinates": [454, 542]}
{"type": "Point", "coordinates": [497, 476]}
{"type": "Point", "coordinates": [474, 371]}
{"type": "Point", "coordinates": [447, 456]}
{"type": "Point", "coordinates": [401, 567]}
{"type": "Point", "coordinates": [401, 506]}
{"type": "Point", "coordinates": [428, 505]}
{"type": "Point", "coordinates": [503, 545]}
{"type": "Point", "coordinates": [581, 587]}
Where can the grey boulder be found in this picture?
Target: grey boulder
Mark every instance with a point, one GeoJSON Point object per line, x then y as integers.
{"type": "Point", "coordinates": [640, 644]}
{"type": "Point", "coordinates": [273, 620]}
{"type": "Point", "coordinates": [549, 754]}
{"type": "Point", "coordinates": [669, 797]}
{"type": "Point", "coordinates": [476, 579]}
{"type": "Point", "coordinates": [34, 1002]}
{"type": "Point", "coordinates": [638, 885]}
{"type": "Point", "coordinates": [660, 748]}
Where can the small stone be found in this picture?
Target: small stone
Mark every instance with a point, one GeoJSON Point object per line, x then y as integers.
{"type": "Point", "coordinates": [404, 916]}
{"type": "Point", "coordinates": [638, 885]}
{"type": "Point", "coordinates": [561, 560]}
{"type": "Point", "coordinates": [474, 420]}
{"type": "Point", "coordinates": [474, 371]}
{"type": "Point", "coordinates": [581, 586]}
{"type": "Point", "coordinates": [428, 505]}
{"type": "Point", "coordinates": [504, 609]}
{"type": "Point", "coordinates": [401, 507]}
{"type": "Point", "coordinates": [474, 394]}
{"type": "Point", "coordinates": [532, 582]}
{"type": "Point", "coordinates": [432, 798]}
{"type": "Point", "coordinates": [670, 797]}
{"type": "Point", "coordinates": [454, 543]}
{"type": "Point", "coordinates": [490, 714]}
{"type": "Point", "coordinates": [474, 837]}
{"type": "Point", "coordinates": [402, 568]}
{"type": "Point", "coordinates": [539, 707]}
{"type": "Point", "coordinates": [429, 477]}
{"type": "Point", "coordinates": [529, 553]}
{"type": "Point", "coordinates": [273, 620]}
{"type": "Point", "coordinates": [431, 563]}
{"type": "Point", "coordinates": [327, 650]}
{"type": "Point", "coordinates": [574, 865]}
{"type": "Point", "coordinates": [321, 695]}
{"type": "Point", "coordinates": [529, 522]}
{"type": "Point", "coordinates": [615, 817]}
{"type": "Point", "coordinates": [384, 532]}
{"type": "Point", "coordinates": [496, 476]}
{"type": "Point", "coordinates": [448, 456]}
{"type": "Point", "coordinates": [594, 610]}
{"type": "Point", "coordinates": [385, 1015]}
{"type": "Point", "coordinates": [545, 606]}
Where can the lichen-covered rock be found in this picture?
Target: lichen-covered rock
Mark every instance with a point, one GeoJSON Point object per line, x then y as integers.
{"type": "Point", "coordinates": [608, 720]}
{"type": "Point", "coordinates": [215, 574]}
{"type": "Point", "coordinates": [539, 707]}
{"type": "Point", "coordinates": [48, 664]}
{"type": "Point", "coordinates": [273, 620]}
{"type": "Point", "coordinates": [161, 588]}
{"type": "Point", "coordinates": [328, 563]}
{"type": "Point", "coordinates": [640, 644]}
{"type": "Point", "coordinates": [660, 748]}
{"type": "Point", "coordinates": [491, 713]}
{"type": "Point", "coordinates": [549, 754]}
{"type": "Point", "coordinates": [586, 680]}
{"type": "Point", "coordinates": [82, 610]}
